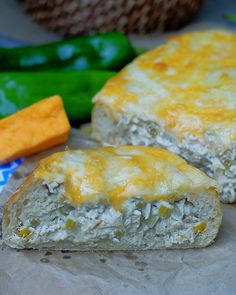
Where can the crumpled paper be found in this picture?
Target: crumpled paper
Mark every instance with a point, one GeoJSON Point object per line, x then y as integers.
{"type": "Point", "coordinates": [200, 271]}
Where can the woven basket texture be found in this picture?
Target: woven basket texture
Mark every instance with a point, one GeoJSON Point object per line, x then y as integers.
{"type": "Point", "coordinates": [73, 17]}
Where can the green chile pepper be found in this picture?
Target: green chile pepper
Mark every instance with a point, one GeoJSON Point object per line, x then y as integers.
{"type": "Point", "coordinates": [21, 89]}
{"type": "Point", "coordinates": [106, 51]}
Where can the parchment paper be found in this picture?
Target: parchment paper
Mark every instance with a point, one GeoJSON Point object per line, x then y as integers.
{"type": "Point", "coordinates": [201, 271]}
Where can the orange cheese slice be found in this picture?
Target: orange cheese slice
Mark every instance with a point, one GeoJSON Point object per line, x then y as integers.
{"type": "Point", "coordinates": [33, 129]}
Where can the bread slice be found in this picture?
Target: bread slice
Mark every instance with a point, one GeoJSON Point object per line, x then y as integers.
{"type": "Point", "coordinates": [180, 96]}
{"type": "Point", "coordinates": [123, 198]}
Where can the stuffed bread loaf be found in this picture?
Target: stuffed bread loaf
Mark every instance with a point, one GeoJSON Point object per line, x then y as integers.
{"type": "Point", "coordinates": [180, 96]}
{"type": "Point", "coordinates": [113, 198]}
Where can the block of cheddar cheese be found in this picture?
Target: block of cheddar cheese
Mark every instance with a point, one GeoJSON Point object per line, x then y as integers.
{"type": "Point", "coordinates": [33, 129]}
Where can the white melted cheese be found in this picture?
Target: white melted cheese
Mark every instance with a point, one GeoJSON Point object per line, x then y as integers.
{"type": "Point", "coordinates": [119, 173]}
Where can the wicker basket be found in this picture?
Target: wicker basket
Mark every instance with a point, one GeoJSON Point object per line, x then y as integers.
{"type": "Point", "coordinates": [72, 17]}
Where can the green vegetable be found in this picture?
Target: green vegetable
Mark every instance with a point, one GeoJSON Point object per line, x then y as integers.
{"type": "Point", "coordinates": [107, 51]}
{"type": "Point", "coordinates": [230, 17]}
{"type": "Point", "coordinates": [21, 89]}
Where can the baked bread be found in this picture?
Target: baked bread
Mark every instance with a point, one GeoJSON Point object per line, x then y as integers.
{"type": "Point", "coordinates": [180, 96]}
{"type": "Point", "coordinates": [124, 198]}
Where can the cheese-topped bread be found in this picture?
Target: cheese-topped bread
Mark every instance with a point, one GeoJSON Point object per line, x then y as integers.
{"type": "Point", "coordinates": [180, 96]}
{"type": "Point", "coordinates": [109, 198]}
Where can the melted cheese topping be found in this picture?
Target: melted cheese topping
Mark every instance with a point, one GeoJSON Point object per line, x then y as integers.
{"type": "Point", "coordinates": [115, 174]}
{"type": "Point", "coordinates": [187, 85]}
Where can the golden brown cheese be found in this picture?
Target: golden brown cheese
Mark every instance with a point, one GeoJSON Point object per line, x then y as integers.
{"type": "Point", "coordinates": [187, 85]}
{"type": "Point", "coordinates": [114, 174]}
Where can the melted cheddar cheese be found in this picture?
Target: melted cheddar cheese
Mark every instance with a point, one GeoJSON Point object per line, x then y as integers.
{"type": "Point", "coordinates": [187, 85]}
{"type": "Point", "coordinates": [115, 174]}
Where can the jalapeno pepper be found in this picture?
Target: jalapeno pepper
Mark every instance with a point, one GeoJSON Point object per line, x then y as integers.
{"type": "Point", "coordinates": [107, 51]}
{"type": "Point", "coordinates": [21, 89]}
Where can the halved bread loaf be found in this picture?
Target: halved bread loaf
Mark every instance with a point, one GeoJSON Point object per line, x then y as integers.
{"type": "Point", "coordinates": [123, 198]}
{"type": "Point", "coordinates": [182, 97]}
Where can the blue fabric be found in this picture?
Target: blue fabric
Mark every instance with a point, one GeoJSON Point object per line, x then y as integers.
{"type": "Point", "coordinates": [7, 170]}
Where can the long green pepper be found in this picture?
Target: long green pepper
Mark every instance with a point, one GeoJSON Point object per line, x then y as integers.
{"type": "Point", "coordinates": [106, 51]}
{"type": "Point", "coordinates": [21, 89]}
